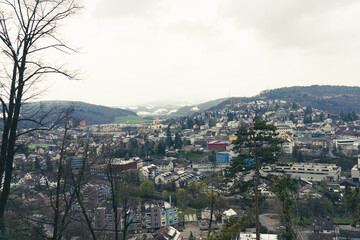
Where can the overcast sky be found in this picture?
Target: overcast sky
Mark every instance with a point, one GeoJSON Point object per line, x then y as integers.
{"type": "Point", "coordinates": [140, 51]}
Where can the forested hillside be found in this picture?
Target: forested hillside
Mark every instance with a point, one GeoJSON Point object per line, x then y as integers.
{"type": "Point", "coordinates": [328, 98]}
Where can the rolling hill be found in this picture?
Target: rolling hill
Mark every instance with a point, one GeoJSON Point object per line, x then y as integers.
{"type": "Point", "coordinates": [326, 97]}
{"type": "Point", "coordinates": [333, 99]}
{"type": "Point", "coordinates": [198, 107]}
{"type": "Point", "coordinates": [92, 114]}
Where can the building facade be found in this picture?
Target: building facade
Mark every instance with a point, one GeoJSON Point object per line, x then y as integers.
{"type": "Point", "coordinates": [313, 172]}
{"type": "Point", "coordinates": [159, 214]}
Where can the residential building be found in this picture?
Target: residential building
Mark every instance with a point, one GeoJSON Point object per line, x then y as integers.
{"type": "Point", "coordinates": [179, 168]}
{"type": "Point", "coordinates": [167, 233]}
{"type": "Point", "coordinates": [165, 178]}
{"type": "Point", "coordinates": [287, 146]}
{"type": "Point", "coordinates": [159, 214]}
{"type": "Point", "coordinates": [163, 165]}
{"type": "Point", "coordinates": [224, 157]}
{"type": "Point", "coordinates": [313, 172]}
{"type": "Point", "coordinates": [355, 175]}
{"type": "Point", "coordinates": [322, 225]}
{"type": "Point", "coordinates": [185, 178]}
{"type": "Point", "coordinates": [349, 146]}
{"type": "Point", "coordinates": [104, 220]}
{"type": "Point", "coordinates": [119, 166]}
{"type": "Point", "coordinates": [208, 167]}
{"type": "Point", "coordinates": [148, 172]}
{"type": "Point", "coordinates": [281, 129]}
{"type": "Point", "coordinates": [76, 163]}
{"type": "Point", "coordinates": [218, 145]}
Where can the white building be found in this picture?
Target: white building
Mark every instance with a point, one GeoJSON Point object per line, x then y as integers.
{"type": "Point", "coordinates": [355, 175]}
{"type": "Point", "coordinates": [348, 146]}
{"type": "Point", "coordinates": [288, 146]}
{"type": "Point", "coordinates": [281, 129]}
{"type": "Point", "coordinates": [313, 172]}
{"type": "Point", "coordinates": [165, 178]}
{"type": "Point", "coordinates": [148, 172]}
{"type": "Point", "coordinates": [185, 177]}
{"type": "Point", "coordinates": [209, 167]}
{"type": "Point", "coordinates": [163, 165]}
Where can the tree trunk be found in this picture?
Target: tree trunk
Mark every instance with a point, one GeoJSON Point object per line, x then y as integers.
{"type": "Point", "coordinates": [87, 219]}
{"type": "Point", "coordinates": [58, 182]}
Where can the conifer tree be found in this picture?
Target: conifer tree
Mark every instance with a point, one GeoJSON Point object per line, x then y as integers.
{"type": "Point", "coordinates": [257, 146]}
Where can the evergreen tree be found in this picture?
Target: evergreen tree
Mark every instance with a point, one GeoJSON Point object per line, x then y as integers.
{"type": "Point", "coordinates": [178, 141]}
{"type": "Point", "coordinates": [256, 147]}
{"type": "Point", "coordinates": [161, 147]}
{"type": "Point", "coordinates": [169, 141]}
{"type": "Point", "coordinates": [352, 202]}
{"type": "Point", "coordinates": [230, 116]}
{"type": "Point", "coordinates": [284, 188]}
{"type": "Point", "coordinates": [190, 123]}
{"type": "Point", "coordinates": [291, 117]}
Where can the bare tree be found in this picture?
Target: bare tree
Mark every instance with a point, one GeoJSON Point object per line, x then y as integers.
{"type": "Point", "coordinates": [127, 197]}
{"type": "Point", "coordinates": [124, 195]}
{"type": "Point", "coordinates": [107, 153]}
{"type": "Point", "coordinates": [80, 178]}
{"type": "Point", "coordinates": [71, 183]}
{"type": "Point", "coordinates": [27, 32]}
{"type": "Point", "coordinates": [61, 194]}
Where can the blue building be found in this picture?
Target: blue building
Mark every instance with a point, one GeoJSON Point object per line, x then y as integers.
{"type": "Point", "coordinates": [225, 157]}
{"type": "Point", "coordinates": [222, 157]}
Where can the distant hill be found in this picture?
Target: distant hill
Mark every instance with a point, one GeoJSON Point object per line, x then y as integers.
{"type": "Point", "coordinates": [150, 110]}
{"type": "Point", "coordinates": [328, 98]}
{"type": "Point", "coordinates": [93, 114]}
{"type": "Point", "coordinates": [231, 101]}
{"type": "Point", "coordinates": [198, 107]}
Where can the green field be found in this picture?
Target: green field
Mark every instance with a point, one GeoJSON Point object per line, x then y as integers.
{"type": "Point", "coordinates": [129, 119]}
{"type": "Point", "coordinates": [32, 146]}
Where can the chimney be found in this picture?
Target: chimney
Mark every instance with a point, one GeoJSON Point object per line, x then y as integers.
{"type": "Point", "coordinates": [170, 199]}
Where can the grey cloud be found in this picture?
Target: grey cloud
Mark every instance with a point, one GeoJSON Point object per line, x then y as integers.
{"type": "Point", "coordinates": [194, 28]}
{"type": "Point", "coordinates": [125, 8]}
{"type": "Point", "coordinates": [300, 23]}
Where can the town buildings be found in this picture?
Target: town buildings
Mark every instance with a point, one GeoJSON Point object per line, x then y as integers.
{"type": "Point", "coordinates": [159, 214]}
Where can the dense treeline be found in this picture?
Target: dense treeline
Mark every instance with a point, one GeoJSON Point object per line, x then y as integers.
{"type": "Point", "coordinates": [327, 98]}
